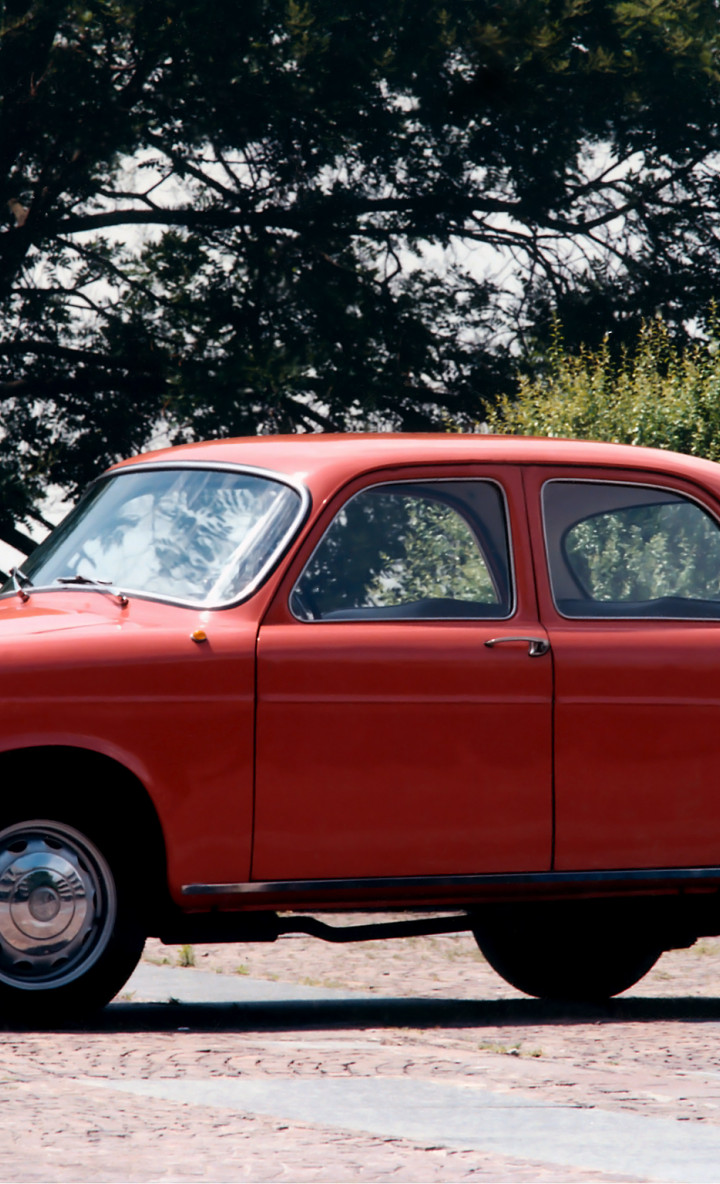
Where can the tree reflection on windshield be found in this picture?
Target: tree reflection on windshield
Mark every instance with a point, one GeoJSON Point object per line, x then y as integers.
{"type": "Point", "coordinates": [199, 535]}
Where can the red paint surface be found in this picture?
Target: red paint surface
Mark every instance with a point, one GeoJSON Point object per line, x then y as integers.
{"type": "Point", "coordinates": [403, 748]}
{"type": "Point", "coordinates": [393, 748]}
{"type": "Point", "coordinates": [637, 725]}
{"type": "Point", "coordinates": [400, 749]}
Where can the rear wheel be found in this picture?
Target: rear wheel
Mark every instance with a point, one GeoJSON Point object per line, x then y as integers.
{"type": "Point", "coordinates": [582, 951]}
{"type": "Point", "coordinates": [69, 936]}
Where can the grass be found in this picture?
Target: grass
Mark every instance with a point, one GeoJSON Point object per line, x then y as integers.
{"type": "Point", "coordinates": [330, 983]}
{"type": "Point", "coordinates": [186, 956]}
{"type": "Point", "coordinates": [513, 1050]}
{"type": "Point", "coordinates": [705, 946]}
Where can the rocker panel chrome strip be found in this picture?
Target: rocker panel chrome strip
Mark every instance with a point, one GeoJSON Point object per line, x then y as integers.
{"type": "Point", "coordinates": [657, 875]}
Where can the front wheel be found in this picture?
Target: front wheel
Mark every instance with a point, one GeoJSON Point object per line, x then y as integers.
{"type": "Point", "coordinates": [582, 951]}
{"type": "Point", "coordinates": [69, 938]}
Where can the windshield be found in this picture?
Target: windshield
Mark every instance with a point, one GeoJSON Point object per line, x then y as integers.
{"type": "Point", "coordinates": [204, 536]}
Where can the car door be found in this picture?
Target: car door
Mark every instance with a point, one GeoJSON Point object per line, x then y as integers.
{"type": "Point", "coordinates": [404, 688]}
{"type": "Point", "coordinates": [630, 597]}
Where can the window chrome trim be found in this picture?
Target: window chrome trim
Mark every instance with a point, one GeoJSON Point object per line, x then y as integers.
{"type": "Point", "coordinates": [633, 485]}
{"type": "Point", "coordinates": [380, 620]}
{"type": "Point", "coordinates": [219, 466]}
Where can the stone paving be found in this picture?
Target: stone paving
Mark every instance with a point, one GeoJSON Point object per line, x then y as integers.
{"type": "Point", "coordinates": [156, 1090]}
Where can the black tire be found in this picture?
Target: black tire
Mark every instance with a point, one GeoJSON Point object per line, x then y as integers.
{"type": "Point", "coordinates": [69, 933]}
{"type": "Point", "coordinates": [585, 951]}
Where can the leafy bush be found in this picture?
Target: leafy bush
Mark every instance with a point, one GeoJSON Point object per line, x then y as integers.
{"type": "Point", "coordinates": [656, 394]}
{"type": "Point", "coordinates": [639, 553]}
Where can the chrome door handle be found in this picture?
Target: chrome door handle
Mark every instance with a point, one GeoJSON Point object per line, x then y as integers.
{"type": "Point", "coordinates": [537, 646]}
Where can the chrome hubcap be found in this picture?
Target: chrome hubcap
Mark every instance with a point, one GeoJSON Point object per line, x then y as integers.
{"type": "Point", "coordinates": [57, 905]}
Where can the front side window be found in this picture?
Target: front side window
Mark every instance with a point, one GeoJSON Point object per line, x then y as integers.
{"type": "Point", "coordinates": [201, 536]}
{"type": "Point", "coordinates": [415, 550]}
{"type": "Point", "coordinates": [630, 550]}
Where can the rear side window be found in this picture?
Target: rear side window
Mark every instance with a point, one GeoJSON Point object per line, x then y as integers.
{"type": "Point", "coordinates": [414, 551]}
{"type": "Point", "coordinates": [621, 550]}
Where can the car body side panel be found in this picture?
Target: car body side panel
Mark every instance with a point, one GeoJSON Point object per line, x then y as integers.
{"type": "Point", "coordinates": [400, 750]}
{"type": "Point", "coordinates": [403, 748]}
{"type": "Point", "coordinates": [176, 713]}
{"type": "Point", "coordinates": [637, 727]}
{"type": "Point", "coordinates": [637, 723]}
{"type": "Point", "coordinates": [388, 749]}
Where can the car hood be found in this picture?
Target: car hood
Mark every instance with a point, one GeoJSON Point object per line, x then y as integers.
{"type": "Point", "coordinates": [25, 620]}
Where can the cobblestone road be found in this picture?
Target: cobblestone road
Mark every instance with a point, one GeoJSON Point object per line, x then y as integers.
{"type": "Point", "coordinates": [329, 1054]}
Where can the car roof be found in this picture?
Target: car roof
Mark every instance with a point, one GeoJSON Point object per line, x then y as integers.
{"type": "Point", "coordinates": [328, 460]}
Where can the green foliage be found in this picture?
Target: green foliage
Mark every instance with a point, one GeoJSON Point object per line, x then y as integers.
{"type": "Point", "coordinates": [389, 548]}
{"type": "Point", "coordinates": [644, 553]}
{"type": "Point", "coordinates": [440, 559]}
{"type": "Point", "coordinates": [657, 394]}
{"type": "Point", "coordinates": [260, 217]}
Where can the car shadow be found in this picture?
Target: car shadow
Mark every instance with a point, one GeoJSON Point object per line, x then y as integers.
{"type": "Point", "coordinates": [293, 1015]}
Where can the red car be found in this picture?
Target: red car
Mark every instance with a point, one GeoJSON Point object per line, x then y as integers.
{"type": "Point", "coordinates": [467, 675]}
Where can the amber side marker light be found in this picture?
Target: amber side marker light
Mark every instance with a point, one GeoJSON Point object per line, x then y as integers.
{"type": "Point", "coordinates": [199, 635]}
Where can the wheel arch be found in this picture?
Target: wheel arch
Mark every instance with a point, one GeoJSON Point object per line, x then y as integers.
{"type": "Point", "coordinates": [91, 791]}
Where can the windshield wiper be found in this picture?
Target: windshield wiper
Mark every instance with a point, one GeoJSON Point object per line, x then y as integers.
{"type": "Point", "coordinates": [104, 586]}
{"type": "Point", "coordinates": [20, 582]}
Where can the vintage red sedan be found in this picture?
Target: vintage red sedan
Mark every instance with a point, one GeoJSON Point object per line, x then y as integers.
{"type": "Point", "coordinates": [471, 676]}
